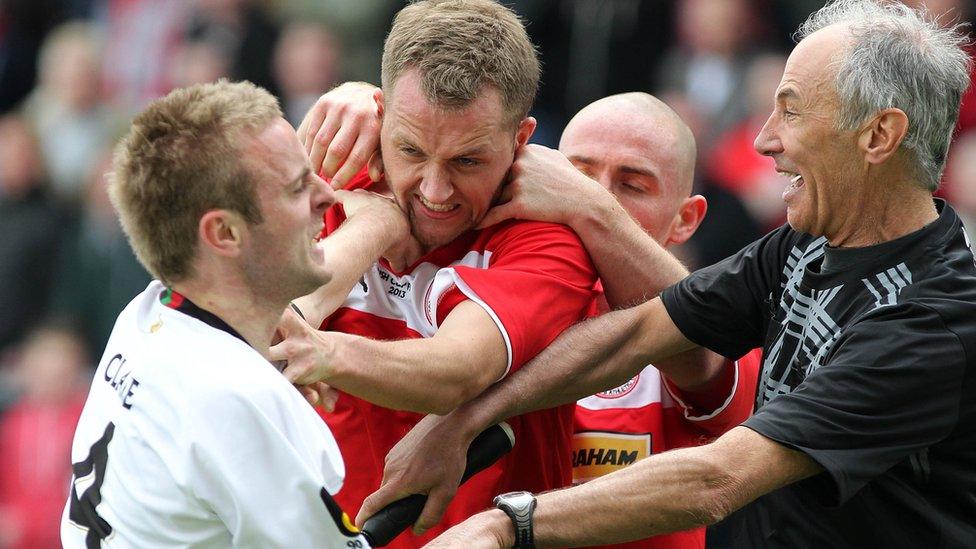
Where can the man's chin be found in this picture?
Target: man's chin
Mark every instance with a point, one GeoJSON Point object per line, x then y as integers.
{"type": "Point", "coordinates": [433, 240]}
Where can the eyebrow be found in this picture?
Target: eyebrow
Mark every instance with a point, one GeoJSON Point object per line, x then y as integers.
{"type": "Point", "coordinates": [305, 171]}
{"type": "Point", "coordinates": [786, 93]}
{"type": "Point", "coordinates": [632, 170]}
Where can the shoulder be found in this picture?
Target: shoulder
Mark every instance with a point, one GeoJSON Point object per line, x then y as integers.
{"type": "Point", "coordinates": [528, 234]}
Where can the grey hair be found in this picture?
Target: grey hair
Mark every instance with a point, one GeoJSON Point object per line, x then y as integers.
{"type": "Point", "coordinates": [900, 58]}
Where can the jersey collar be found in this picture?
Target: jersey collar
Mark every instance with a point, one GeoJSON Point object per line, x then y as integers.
{"type": "Point", "coordinates": [177, 301]}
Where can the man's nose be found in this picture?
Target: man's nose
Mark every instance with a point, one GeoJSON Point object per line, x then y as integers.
{"type": "Point", "coordinates": [436, 185]}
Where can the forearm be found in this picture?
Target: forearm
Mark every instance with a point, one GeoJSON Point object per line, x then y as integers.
{"type": "Point", "coordinates": [349, 251]}
{"type": "Point", "coordinates": [632, 266]}
{"type": "Point", "coordinates": [667, 492]}
{"type": "Point", "coordinates": [592, 356]}
{"type": "Point", "coordinates": [408, 374]}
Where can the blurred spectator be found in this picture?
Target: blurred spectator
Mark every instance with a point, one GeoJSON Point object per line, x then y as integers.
{"type": "Point", "coordinates": [244, 30]}
{"type": "Point", "coordinates": [66, 109]}
{"type": "Point", "coordinates": [30, 226]}
{"type": "Point", "coordinates": [23, 25]}
{"type": "Point", "coordinates": [733, 162]}
{"type": "Point", "coordinates": [708, 64]}
{"type": "Point", "coordinates": [960, 179]}
{"type": "Point", "coordinates": [359, 26]}
{"type": "Point", "coordinates": [306, 62]}
{"type": "Point", "coordinates": [97, 271]}
{"type": "Point", "coordinates": [141, 36]}
{"type": "Point", "coordinates": [198, 62]}
{"type": "Point", "coordinates": [35, 438]}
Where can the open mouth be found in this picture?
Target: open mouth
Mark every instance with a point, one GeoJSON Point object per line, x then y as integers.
{"type": "Point", "coordinates": [795, 184]}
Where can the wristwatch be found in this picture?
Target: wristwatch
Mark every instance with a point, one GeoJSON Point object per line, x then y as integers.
{"type": "Point", "coordinates": [519, 507]}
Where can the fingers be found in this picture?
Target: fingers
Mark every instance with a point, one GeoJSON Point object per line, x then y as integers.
{"type": "Point", "coordinates": [322, 141]}
{"type": "Point", "coordinates": [328, 396]}
{"type": "Point", "coordinates": [310, 394]}
{"type": "Point", "coordinates": [366, 144]}
{"type": "Point", "coordinates": [310, 125]}
{"type": "Point", "coordinates": [437, 502]}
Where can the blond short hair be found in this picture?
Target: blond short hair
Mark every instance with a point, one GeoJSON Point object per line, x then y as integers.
{"type": "Point", "coordinates": [181, 158]}
{"type": "Point", "coordinates": [459, 46]}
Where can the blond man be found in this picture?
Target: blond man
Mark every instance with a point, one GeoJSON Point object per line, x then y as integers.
{"type": "Point", "coordinates": [190, 437]}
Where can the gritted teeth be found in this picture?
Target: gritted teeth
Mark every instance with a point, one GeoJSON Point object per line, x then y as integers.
{"type": "Point", "coordinates": [436, 207]}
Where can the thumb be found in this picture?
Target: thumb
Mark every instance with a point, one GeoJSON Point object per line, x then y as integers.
{"type": "Point", "coordinates": [290, 324]}
{"type": "Point", "coordinates": [376, 501]}
{"type": "Point", "coordinates": [341, 195]}
{"type": "Point", "coordinates": [279, 352]}
{"type": "Point", "coordinates": [498, 214]}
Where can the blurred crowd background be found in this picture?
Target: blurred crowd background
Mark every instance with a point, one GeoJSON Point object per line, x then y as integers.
{"type": "Point", "coordinates": [73, 72]}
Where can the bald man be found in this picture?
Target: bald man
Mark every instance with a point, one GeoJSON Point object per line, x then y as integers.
{"type": "Point", "coordinates": [622, 179]}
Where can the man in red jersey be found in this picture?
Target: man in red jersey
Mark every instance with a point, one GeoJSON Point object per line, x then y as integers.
{"type": "Point", "coordinates": [426, 334]}
{"type": "Point", "coordinates": [637, 157]}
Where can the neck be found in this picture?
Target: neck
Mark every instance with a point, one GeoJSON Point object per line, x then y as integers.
{"type": "Point", "coordinates": [899, 210]}
{"type": "Point", "coordinates": [236, 305]}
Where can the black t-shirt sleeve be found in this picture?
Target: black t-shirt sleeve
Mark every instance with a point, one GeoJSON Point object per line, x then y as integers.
{"type": "Point", "coordinates": [724, 307]}
{"type": "Point", "coordinates": [891, 388]}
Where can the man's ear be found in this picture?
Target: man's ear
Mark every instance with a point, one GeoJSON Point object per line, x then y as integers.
{"type": "Point", "coordinates": [882, 136]}
{"type": "Point", "coordinates": [222, 232]}
{"type": "Point", "coordinates": [687, 219]}
{"type": "Point", "coordinates": [525, 130]}
{"type": "Point", "coordinates": [380, 101]}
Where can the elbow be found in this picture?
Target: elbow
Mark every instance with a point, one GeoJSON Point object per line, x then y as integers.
{"type": "Point", "coordinates": [718, 497]}
{"type": "Point", "coordinates": [440, 406]}
{"type": "Point", "coordinates": [450, 395]}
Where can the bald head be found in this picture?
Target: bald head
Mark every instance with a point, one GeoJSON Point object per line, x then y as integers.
{"type": "Point", "coordinates": [641, 151]}
{"type": "Point", "coordinates": [646, 123]}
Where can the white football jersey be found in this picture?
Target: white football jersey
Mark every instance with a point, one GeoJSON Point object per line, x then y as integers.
{"type": "Point", "coordinates": [191, 438]}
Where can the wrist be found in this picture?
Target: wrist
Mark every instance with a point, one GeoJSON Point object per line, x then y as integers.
{"type": "Point", "coordinates": [497, 525]}
{"type": "Point", "coordinates": [519, 507]}
{"type": "Point", "coordinates": [601, 207]}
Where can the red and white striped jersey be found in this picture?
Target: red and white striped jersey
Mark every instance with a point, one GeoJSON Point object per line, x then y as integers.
{"type": "Point", "coordinates": [648, 415]}
{"type": "Point", "coordinates": [534, 280]}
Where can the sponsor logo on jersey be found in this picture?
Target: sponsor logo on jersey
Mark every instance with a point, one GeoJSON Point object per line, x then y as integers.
{"type": "Point", "coordinates": [622, 390]}
{"type": "Point", "coordinates": [598, 453]}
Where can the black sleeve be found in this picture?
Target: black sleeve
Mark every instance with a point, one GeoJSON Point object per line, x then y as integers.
{"type": "Point", "coordinates": [725, 307]}
{"type": "Point", "coordinates": [892, 387]}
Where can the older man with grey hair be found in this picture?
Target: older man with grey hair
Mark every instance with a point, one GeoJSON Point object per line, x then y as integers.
{"type": "Point", "coordinates": [865, 304]}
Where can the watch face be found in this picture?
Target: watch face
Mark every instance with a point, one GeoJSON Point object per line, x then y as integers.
{"type": "Point", "coordinates": [518, 500]}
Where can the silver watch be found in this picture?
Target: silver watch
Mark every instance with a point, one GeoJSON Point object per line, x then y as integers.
{"type": "Point", "coordinates": [519, 507]}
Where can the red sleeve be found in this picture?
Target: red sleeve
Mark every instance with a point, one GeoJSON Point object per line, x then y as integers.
{"type": "Point", "coordinates": [539, 281]}
{"type": "Point", "coordinates": [740, 396]}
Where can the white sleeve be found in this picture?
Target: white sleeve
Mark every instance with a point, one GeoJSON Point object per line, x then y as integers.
{"type": "Point", "coordinates": [267, 468]}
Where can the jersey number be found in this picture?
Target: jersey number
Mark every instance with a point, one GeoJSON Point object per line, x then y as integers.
{"type": "Point", "coordinates": [82, 508]}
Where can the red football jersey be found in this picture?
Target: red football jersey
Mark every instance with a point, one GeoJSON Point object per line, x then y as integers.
{"type": "Point", "coordinates": [648, 415]}
{"type": "Point", "coordinates": [534, 280]}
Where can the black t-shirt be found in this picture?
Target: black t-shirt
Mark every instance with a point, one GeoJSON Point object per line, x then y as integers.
{"type": "Point", "coordinates": [869, 368]}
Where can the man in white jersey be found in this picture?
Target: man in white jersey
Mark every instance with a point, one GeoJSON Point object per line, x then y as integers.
{"type": "Point", "coordinates": [190, 437]}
